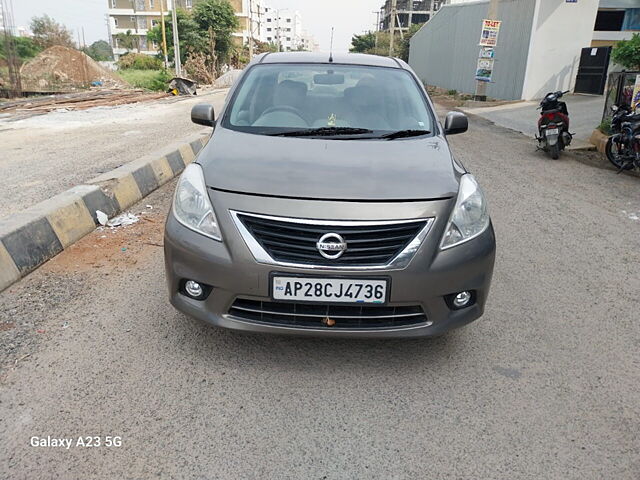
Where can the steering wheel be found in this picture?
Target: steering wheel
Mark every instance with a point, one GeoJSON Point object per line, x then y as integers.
{"type": "Point", "coordinates": [283, 108]}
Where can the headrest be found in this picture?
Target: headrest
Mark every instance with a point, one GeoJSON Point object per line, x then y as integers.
{"type": "Point", "coordinates": [289, 92]}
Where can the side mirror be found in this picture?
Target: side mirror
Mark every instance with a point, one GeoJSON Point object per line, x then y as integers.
{"type": "Point", "coordinates": [203, 114]}
{"type": "Point", "coordinates": [456, 122]}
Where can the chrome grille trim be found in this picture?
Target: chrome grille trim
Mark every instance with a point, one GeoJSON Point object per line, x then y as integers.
{"type": "Point", "coordinates": [310, 315]}
{"type": "Point", "coordinates": [400, 261]}
{"type": "Point", "coordinates": [289, 314]}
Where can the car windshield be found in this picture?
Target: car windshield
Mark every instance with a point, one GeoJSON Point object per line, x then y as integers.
{"type": "Point", "coordinates": [329, 100]}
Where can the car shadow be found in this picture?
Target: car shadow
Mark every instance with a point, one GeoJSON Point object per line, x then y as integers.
{"type": "Point", "coordinates": [296, 353]}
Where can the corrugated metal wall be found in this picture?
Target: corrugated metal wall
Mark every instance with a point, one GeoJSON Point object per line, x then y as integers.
{"type": "Point", "coordinates": [445, 51]}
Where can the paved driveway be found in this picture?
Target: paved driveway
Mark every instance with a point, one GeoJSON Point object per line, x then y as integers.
{"type": "Point", "coordinates": [585, 112]}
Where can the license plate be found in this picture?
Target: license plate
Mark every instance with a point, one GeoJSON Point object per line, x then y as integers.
{"type": "Point", "coordinates": [330, 290]}
{"type": "Point", "coordinates": [552, 131]}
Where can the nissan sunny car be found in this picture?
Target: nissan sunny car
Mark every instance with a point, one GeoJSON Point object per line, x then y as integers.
{"type": "Point", "coordinates": [327, 202]}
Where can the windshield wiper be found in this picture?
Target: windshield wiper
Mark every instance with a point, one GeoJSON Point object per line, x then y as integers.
{"type": "Point", "coordinates": [323, 132]}
{"type": "Point", "coordinates": [404, 134]}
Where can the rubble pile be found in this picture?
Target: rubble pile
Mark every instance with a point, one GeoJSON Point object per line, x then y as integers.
{"type": "Point", "coordinates": [26, 107]}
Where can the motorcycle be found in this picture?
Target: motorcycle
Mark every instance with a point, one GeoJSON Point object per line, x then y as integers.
{"type": "Point", "coordinates": [623, 146]}
{"type": "Point", "coordinates": [553, 125]}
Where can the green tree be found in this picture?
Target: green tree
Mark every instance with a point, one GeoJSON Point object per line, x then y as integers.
{"type": "Point", "coordinates": [405, 44]}
{"type": "Point", "coordinates": [192, 38]}
{"type": "Point", "coordinates": [264, 47]}
{"type": "Point", "coordinates": [26, 48]}
{"type": "Point", "coordinates": [47, 32]}
{"type": "Point", "coordinates": [363, 43]}
{"type": "Point", "coordinates": [99, 51]}
{"type": "Point", "coordinates": [627, 52]}
{"type": "Point", "coordinates": [206, 30]}
{"type": "Point", "coordinates": [128, 41]}
{"type": "Point", "coordinates": [218, 19]}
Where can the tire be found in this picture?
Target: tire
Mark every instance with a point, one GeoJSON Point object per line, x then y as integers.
{"type": "Point", "coordinates": [554, 151]}
{"type": "Point", "coordinates": [615, 156]}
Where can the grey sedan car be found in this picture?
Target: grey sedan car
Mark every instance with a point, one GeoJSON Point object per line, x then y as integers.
{"type": "Point", "coordinates": [327, 202]}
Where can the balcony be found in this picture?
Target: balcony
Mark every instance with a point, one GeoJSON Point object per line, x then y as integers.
{"type": "Point", "coordinates": [613, 36]}
{"type": "Point", "coordinates": [130, 12]}
{"type": "Point", "coordinates": [140, 31]}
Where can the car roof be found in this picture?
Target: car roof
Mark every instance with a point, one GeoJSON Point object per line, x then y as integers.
{"type": "Point", "coordinates": [338, 58]}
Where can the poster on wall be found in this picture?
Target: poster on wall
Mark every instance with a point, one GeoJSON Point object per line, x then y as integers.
{"type": "Point", "coordinates": [484, 70]}
{"type": "Point", "coordinates": [489, 35]}
{"type": "Point", "coordinates": [487, 52]}
{"type": "Point", "coordinates": [635, 99]}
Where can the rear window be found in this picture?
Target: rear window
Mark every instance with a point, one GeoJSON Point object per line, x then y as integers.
{"type": "Point", "coordinates": [284, 97]}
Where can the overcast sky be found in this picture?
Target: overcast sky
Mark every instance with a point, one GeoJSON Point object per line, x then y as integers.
{"type": "Point", "coordinates": [318, 16]}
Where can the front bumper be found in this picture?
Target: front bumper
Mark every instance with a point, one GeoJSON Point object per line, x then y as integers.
{"type": "Point", "coordinates": [233, 273]}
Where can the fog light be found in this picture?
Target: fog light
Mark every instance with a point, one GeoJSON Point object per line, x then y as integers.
{"type": "Point", "coordinates": [193, 289]}
{"type": "Point", "coordinates": [462, 299]}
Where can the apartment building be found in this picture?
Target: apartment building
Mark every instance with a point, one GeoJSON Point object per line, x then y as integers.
{"type": "Point", "coordinates": [283, 27]}
{"type": "Point", "coordinates": [408, 12]}
{"type": "Point", "coordinates": [139, 16]}
{"type": "Point", "coordinates": [251, 16]}
{"type": "Point", "coordinates": [309, 42]}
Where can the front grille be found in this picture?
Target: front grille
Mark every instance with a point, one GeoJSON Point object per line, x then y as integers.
{"type": "Point", "coordinates": [314, 315]}
{"type": "Point", "coordinates": [295, 242]}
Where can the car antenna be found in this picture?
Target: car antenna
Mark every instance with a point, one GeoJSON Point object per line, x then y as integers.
{"type": "Point", "coordinates": [331, 48]}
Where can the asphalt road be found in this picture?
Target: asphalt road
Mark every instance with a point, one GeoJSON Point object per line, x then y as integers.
{"type": "Point", "coordinates": [45, 155]}
{"type": "Point", "coordinates": [545, 386]}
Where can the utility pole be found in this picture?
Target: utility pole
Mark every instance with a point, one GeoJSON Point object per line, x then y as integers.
{"type": "Point", "coordinates": [176, 41]}
{"type": "Point", "coordinates": [481, 87]}
{"type": "Point", "coordinates": [250, 30]}
{"type": "Point", "coordinates": [377, 12]}
{"type": "Point", "coordinates": [392, 25]}
{"type": "Point", "coordinates": [164, 36]}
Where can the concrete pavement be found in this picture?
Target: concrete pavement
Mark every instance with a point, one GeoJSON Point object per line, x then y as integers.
{"type": "Point", "coordinates": [45, 155]}
{"type": "Point", "coordinates": [585, 112]}
{"type": "Point", "coordinates": [545, 386]}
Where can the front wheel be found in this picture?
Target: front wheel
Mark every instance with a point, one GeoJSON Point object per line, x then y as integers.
{"type": "Point", "coordinates": [554, 151]}
{"type": "Point", "coordinates": [615, 153]}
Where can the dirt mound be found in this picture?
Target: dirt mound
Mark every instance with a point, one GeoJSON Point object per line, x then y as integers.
{"type": "Point", "coordinates": [62, 68]}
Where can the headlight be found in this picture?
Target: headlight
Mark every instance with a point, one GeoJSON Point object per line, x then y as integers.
{"type": "Point", "coordinates": [191, 204]}
{"type": "Point", "coordinates": [470, 216]}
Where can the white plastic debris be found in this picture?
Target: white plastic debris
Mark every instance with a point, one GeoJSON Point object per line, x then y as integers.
{"type": "Point", "coordinates": [102, 217]}
{"type": "Point", "coordinates": [122, 220]}
{"type": "Point", "coordinates": [150, 207]}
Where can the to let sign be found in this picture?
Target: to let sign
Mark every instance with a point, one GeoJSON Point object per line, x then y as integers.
{"type": "Point", "coordinates": [489, 35]}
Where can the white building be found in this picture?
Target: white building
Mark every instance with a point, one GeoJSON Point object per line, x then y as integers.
{"type": "Point", "coordinates": [616, 20]}
{"type": "Point", "coordinates": [543, 46]}
{"type": "Point", "coordinates": [251, 16]}
{"type": "Point", "coordinates": [284, 28]}
{"type": "Point", "coordinates": [309, 42]}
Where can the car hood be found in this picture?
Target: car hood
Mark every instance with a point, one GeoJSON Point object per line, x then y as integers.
{"type": "Point", "coordinates": [403, 169]}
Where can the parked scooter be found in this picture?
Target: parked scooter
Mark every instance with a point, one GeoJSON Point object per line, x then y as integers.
{"type": "Point", "coordinates": [553, 125]}
{"type": "Point", "coordinates": [623, 146]}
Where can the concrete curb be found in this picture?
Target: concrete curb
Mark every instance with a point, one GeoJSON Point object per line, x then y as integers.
{"type": "Point", "coordinates": [33, 236]}
{"type": "Point", "coordinates": [599, 140]}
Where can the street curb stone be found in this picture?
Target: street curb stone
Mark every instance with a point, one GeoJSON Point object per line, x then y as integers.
{"type": "Point", "coordinates": [37, 234]}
